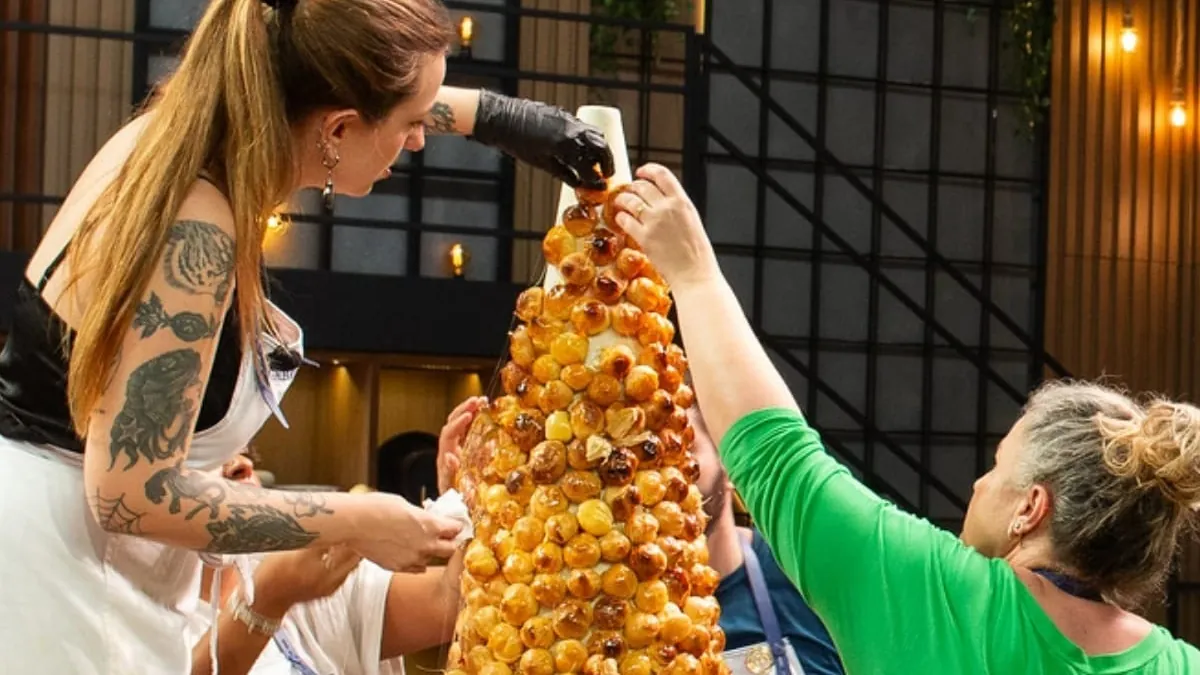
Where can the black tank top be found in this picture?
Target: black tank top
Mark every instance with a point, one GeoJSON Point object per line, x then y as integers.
{"type": "Point", "coordinates": [33, 371]}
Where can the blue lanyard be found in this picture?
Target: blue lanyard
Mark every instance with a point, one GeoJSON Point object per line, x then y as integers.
{"type": "Point", "coordinates": [766, 610]}
{"type": "Point", "coordinates": [290, 654]}
{"type": "Point", "coordinates": [1070, 585]}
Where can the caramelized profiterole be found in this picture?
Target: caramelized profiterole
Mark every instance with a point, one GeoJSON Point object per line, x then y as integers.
{"type": "Point", "coordinates": [589, 553]}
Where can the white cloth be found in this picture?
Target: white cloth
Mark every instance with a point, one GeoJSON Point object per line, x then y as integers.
{"type": "Point", "coordinates": [336, 635]}
{"type": "Point", "coordinates": [76, 599]}
{"type": "Point", "coordinates": [451, 505]}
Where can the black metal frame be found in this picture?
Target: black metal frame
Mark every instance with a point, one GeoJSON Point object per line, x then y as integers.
{"type": "Point", "coordinates": [829, 246]}
{"type": "Point", "coordinates": [701, 61]}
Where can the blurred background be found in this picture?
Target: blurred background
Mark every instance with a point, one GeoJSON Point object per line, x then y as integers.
{"type": "Point", "coordinates": [925, 206]}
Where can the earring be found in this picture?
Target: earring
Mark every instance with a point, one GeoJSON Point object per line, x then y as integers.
{"type": "Point", "coordinates": [329, 162]}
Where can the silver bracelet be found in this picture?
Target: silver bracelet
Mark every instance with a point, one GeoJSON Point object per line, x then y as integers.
{"type": "Point", "coordinates": [254, 621]}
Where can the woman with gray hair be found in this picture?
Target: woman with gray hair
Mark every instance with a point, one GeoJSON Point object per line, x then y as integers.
{"type": "Point", "coordinates": [1076, 523]}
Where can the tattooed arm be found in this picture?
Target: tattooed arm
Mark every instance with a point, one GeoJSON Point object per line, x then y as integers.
{"type": "Point", "coordinates": [541, 135]}
{"type": "Point", "coordinates": [139, 434]}
{"type": "Point", "coordinates": [453, 112]}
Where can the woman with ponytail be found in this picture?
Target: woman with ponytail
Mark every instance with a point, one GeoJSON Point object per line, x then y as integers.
{"type": "Point", "coordinates": [144, 354]}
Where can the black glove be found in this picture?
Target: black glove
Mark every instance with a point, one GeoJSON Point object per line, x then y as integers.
{"type": "Point", "coordinates": [546, 137]}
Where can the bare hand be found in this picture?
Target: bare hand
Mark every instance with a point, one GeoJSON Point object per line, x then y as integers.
{"type": "Point", "coordinates": [294, 577]}
{"type": "Point", "coordinates": [449, 457]}
{"type": "Point", "coordinates": [400, 537]}
{"type": "Point", "coordinates": [657, 213]}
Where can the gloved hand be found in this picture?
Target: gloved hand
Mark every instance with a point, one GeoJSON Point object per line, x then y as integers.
{"type": "Point", "coordinates": [544, 136]}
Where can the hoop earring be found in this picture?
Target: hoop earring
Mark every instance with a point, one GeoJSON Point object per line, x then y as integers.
{"type": "Point", "coordinates": [329, 164]}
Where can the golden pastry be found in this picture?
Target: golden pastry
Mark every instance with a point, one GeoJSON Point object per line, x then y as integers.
{"type": "Point", "coordinates": [589, 554]}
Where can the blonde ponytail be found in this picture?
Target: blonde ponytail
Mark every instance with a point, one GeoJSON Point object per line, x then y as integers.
{"type": "Point", "coordinates": [222, 111]}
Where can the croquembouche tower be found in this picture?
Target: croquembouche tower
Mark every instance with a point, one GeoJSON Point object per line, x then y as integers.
{"type": "Point", "coordinates": [589, 553]}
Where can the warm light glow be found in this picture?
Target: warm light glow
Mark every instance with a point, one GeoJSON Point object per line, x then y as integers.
{"type": "Point", "coordinates": [466, 31]}
{"type": "Point", "coordinates": [274, 223]}
{"type": "Point", "coordinates": [1129, 39]}
{"type": "Point", "coordinates": [458, 259]}
{"type": "Point", "coordinates": [1178, 114]}
{"type": "Point", "coordinates": [336, 362]}
{"type": "Point", "coordinates": [474, 384]}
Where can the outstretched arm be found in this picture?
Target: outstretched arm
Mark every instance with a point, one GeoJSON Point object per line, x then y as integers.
{"type": "Point", "coordinates": [453, 112]}
{"type": "Point", "coordinates": [541, 135]}
{"type": "Point", "coordinates": [863, 565]}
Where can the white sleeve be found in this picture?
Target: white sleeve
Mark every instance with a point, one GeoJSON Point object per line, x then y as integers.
{"type": "Point", "coordinates": [343, 632]}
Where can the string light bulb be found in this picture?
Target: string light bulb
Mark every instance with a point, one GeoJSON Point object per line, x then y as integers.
{"type": "Point", "coordinates": [1129, 38]}
{"type": "Point", "coordinates": [466, 34]}
{"type": "Point", "coordinates": [458, 260]}
{"type": "Point", "coordinates": [1178, 114]}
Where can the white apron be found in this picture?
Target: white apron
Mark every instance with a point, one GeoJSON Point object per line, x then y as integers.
{"type": "Point", "coordinates": [75, 600]}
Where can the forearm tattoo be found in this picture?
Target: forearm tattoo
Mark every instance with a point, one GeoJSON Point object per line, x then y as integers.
{"type": "Point", "coordinates": [441, 119]}
{"type": "Point", "coordinates": [187, 326]}
{"type": "Point", "coordinates": [247, 525]}
{"type": "Point", "coordinates": [252, 528]}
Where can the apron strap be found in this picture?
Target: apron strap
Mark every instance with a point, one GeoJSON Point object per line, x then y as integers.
{"type": "Point", "coordinates": [766, 610]}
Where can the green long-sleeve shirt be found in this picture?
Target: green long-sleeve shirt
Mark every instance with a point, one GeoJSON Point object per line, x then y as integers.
{"type": "Point", "coordinates": [897, 594]}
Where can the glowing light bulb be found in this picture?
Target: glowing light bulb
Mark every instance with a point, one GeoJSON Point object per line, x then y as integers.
{"type": "Point", "coordinates": [1129, 39]}
{"type": "Point", "coordinates": [1178, 114]}
{"type": "Point", "coordinates": [274, 223]}
{"type": "Point", "coordinates": [458, 259]}
{"type": "Point", "coordinates": [466, 31]}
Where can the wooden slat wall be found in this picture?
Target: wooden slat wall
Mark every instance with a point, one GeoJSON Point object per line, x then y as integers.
{"type": "Point", "coordinates": [1123, 281]}
{"type": "Point", "coordinates": [22, 72]}
{"type": "Point", "coordinates": [1122, 248]}
{"type": "Point", "coordinates": [89, 87]}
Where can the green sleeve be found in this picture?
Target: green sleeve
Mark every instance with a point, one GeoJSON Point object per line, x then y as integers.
{"type": "Point", "coordinates": [885, 583]}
